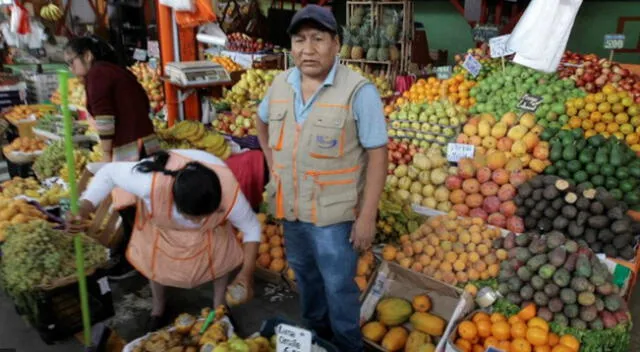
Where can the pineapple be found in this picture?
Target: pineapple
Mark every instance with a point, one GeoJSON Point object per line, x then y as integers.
{"type": "Point", "coordinates": [345, 50]}
{"type": "Point", "coordinates": [357, 51]}
{"type": "Point", "coordinates": [391, 28]}
{"type": "Point", "coordinates": [357, 18]}
{"type": "Point", "coordinates": [382, 53]}
{"type": "Point", "coordinates": [372, 52]}
{"type": "Point", "coordinates": [394, 53]}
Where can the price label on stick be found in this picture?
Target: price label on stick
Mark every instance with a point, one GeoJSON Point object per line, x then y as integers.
{"type": "Point", "coordinates": [457, 151]}
{"type": "Point", "coordinates": [498, 46]}
{"type": "Point", "coordinates": [529, 103]}
{"type": "Point", "coordinates": [140, 55]}
{"type": "Point", "coordinates": [443, 72]}
{"type": "Point", "coordinates": [292, 339]}
{"type": "Point", "coordinates": [613, 41]}
{"type": "Point", "coordinates": [153, 48]}
{"type": "Point", "coordinates": [472, 65]}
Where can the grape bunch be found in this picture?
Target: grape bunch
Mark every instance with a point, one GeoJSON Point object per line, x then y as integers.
{"type": "Point", "coordinates": [35, 254]}
{"type": "Point", "coordinates": [53, 160]}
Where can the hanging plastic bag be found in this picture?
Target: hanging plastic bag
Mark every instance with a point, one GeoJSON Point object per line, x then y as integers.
{"type": "Point", "coordinates": [20, 19]}
{"type": "Point", "coordinates": [203, 14]}
{"type": "Point", "coordinates": [180, 5]}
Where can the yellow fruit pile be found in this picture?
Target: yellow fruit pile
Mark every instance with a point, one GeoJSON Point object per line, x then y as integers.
{"type": "Point", "coordinates": [81, 158]}
{"type": "Point", "coordinates": [610, 112]}
{"type": "Point", "coordinates": [18, 186]}
{"type": "Point", "coordinates": [271, 250]}
{"type": "Point", "coordinates": [523, 332]}
{"type": "Point", "coordinates": [517, 138]}
{"type": "Point", "coordinates": [227, 63]}
{"type": "Point", "coordinates": [450, 249]}
{"type": "Point", "coordinates": [194, 135]}
{"type": "Point", "coordinates": [25, 145]}
{"type": "Point", "coordinates": [17, 212]}
{"type": "Point", "coordinates": [77, 95]}
{"type": "Point", "coordinates": [22, 112]}
{"type": "Point", "coordinates": [390, 330]}
{"type": "Point", "coordinates": [455, 89]}
{"type": "Point", "coordinates": [381, 82]}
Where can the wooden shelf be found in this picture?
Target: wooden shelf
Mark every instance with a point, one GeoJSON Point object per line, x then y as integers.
{"type": "Point", "coordinates": [365, 61]}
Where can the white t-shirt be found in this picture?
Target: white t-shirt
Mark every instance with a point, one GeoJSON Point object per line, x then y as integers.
{"type": "Point", "coordinates": [123, 175]}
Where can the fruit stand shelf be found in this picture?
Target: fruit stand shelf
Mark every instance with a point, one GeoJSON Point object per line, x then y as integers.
{"type": "Point", "coordinates": [190, 89]}
{"type": "Point", "coordinates": [364, 61]}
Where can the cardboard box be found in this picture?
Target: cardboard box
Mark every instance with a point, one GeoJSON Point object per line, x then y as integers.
{"type": "Point", "coordinates": [392, 280]}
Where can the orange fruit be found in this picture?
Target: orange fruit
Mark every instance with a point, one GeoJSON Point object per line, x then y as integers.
{"type": "Point", "coordinates": [478, 348]}
{"type": "Point", "coordinates": [520, 345]}
{"type": "Point", "coordinates": [527, 312]}
{"type": "Point", "coordinates": [505, 346]}
{"type": "Point", "coordinates": [491, 341]}
{"type": "Point", "coordinates": [538, 322]}
{"type": "Point", "coordinates": [544, 348]}
{"type": "Point", "coordinates": [480, 316]}
{"type": "Point", "coordinates": [561, 348]}
{"type": "Point", "coordinates": [467, 330]}
{"type": "Point", "coordinates": [553, 339]}
{"type": "Point", "coordinates": [570, 341]}
{"type": "Point", "coordinates": [501, 330]}
{"type": "Point", "coordinates": [496, 317]}
{"type": "Point", "coordinates": [463, 345]}
{"type": "Point", "coordinates": [519, 330]}
{"type": "Point", "coordinates": [537, 337]}
{"type": "Point", "coordinates": [484, 328]}
{"type": "Point", "coordinates": [515, 319]}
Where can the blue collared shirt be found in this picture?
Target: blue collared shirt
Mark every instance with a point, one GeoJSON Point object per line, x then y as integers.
{"type": "Point", "coordinates": [367, 108]}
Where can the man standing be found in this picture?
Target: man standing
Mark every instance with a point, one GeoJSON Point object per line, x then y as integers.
{"type": "Point", "coordinates": [324, 136]}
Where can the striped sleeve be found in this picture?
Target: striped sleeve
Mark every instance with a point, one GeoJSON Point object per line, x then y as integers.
{"type": "Point", "coordinates": [106, 126]}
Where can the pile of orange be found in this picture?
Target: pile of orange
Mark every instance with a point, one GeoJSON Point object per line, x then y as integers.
{"type": "Point", "coordinates": [611, 112]}
{"type": "Point", "coordinates": [228, 63]}
{"type": "Point", "coordinates": [455, 89]}
{"type": "Point", "coordinates": [523, 332]}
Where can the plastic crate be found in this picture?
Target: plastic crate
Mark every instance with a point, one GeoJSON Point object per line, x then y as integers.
{"type": "Point", "coordinates": [40, 86]}
{"type": "Point", "coordinates": [20, 170]}
{"type": "Point", "coordinates": [268, 329]}
{"type": "Point", "coordinates": [56, 313]}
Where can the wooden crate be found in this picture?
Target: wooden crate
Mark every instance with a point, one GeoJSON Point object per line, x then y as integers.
{"type": "Point", "coordinates": [106, 226]}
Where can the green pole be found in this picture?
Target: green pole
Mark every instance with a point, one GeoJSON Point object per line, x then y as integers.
{"type": "Point", "coordinates": [73, 199]}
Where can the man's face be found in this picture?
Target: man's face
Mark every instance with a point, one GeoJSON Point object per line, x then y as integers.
{"type": "Point", "coordinates": [314, 51]}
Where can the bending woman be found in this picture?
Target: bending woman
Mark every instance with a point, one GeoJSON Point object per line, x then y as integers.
{"type": "Point", "coordinates": [181, 236]}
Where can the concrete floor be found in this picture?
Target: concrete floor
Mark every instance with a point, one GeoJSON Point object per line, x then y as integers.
{"type": "Point", "coordinates": [133, 305]}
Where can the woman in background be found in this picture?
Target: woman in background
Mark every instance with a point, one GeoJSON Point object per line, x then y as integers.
{"type": "Point", "coordinates": [120, 107]}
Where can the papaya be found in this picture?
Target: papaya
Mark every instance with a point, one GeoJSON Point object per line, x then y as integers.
{"type": "Point", "coordinates": [374, 331]}
{"type": "Point", "coordinates": [415, 340]}
{"type": "Point", "coordinates": [428, 323]}
{"type": "Point", "coordinates": [395, 339]}
{"type": "Point", "coordinates": [393, 311]}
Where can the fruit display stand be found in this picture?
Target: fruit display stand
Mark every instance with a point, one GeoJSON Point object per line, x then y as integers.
{"type": "Point", "coordinates": [405, 313]}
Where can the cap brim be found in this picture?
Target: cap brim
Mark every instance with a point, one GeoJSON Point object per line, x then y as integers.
{"type": "Point", "coordinates": [295, 26]}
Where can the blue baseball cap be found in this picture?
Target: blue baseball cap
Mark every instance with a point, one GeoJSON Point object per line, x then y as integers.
{"type": "Point", "coordinates": [314, 13]}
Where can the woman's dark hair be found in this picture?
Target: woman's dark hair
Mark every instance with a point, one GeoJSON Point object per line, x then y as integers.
{"type": "Point", "coordinates": [196, 190]}
{"type": "Point", "coordinates": [101, 50]}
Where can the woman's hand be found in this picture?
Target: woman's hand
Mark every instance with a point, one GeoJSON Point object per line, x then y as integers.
{"type": "Point", "coordinates": [244, 279]}
{"type": "Point", "coordinates": [80, 222]}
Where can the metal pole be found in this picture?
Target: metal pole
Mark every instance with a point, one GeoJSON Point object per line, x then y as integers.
{"type": "Point", "coordinates": [176, 58]}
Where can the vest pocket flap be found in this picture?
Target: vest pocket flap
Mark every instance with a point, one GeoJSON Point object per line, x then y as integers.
{"type": "Point", "coordinates": [350, 195]}
{"type": "Point", "coordinates": [336, 121]}
{"type": "Point", "coordinates": [277, 115]}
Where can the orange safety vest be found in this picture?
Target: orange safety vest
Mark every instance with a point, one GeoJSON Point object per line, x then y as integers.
{"type": "Point", "coordinates": [167, 253]}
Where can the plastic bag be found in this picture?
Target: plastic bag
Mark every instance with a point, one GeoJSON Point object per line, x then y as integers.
{"type": "Point", "coordinates": [20, 19]}
{"type": "Point", "coordinates": [180, 5]}
{"type": "Point", "coordinates": [203, 14]}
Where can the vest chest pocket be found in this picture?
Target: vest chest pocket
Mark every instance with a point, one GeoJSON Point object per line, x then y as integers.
{"type": "Point", "coordinates": [276, 130]}
{"type": "Point", "coordinates": [327, 139]}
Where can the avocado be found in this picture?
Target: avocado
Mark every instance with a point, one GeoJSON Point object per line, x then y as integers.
{"type": "Point", "coordinates": [547, 271]}
{"type": "Point", "coordinates": [579, 284]}
{"type": "Point", "coordinates": [620, 226]}
{"type": "Point", "coordinates": [545, 313]}
{"type": "Point", "coordinates": [591, 236]}
{"type": "Point", "coordinates": [582, 217]}
{"type": "Point", "coordinates": [605, 236]}
{"type": "Point", "coordinates": [524, 273]}
{"type": "Point", "coordinates": [578, 324]}
{"type": "Point", "coordinates": [574, 230]}
{"type": "Point", "coordinates": [514, 297]}
{"type": "Point", "coordinates": [610, 251]}
{"type": "Point", "coordinates": [569, 211]}
{"type": "Point", "coordinates": [622, 241]}
{"type": "Point", "coordinates": [583, 266]}
{"type": "Point", "coordinates": [586, 299]}
{"type": "Point", "coordinates": [596, 324]}
{"type": "Point", "coordinates": [537, 282]}
{"type": "Point", "coordinates": [540, 299]}
{"type": "Point", "coordinates": [555, 305]}
{"type": "Point", "coordinates": [627, 253]}
{"type": "Point", "coordinates": [571, 310]}
{"type": "Point", "coordinates": [514, 284]}
{"type": "Point", "coordinates": [562, 277]}
{"type": "Point", "coordinates": [596, 208]}
{"type": "Point", "coordinates": [560, 223]}
{"type": "Point", "coordinates": [612, 302]}
{"type": "Point", "coordinates": [560, 320]}
{"type": "Point", "coordinates": [551, 290]}
{"type": "Point", "coordinates": [526, 292]}
{"type": "Point", "coordinates": [536, 262]}
{"type": "Point", "coordinates": [568, 296]}
{"type": "Point", "coordinates": [598, 221]}
{"type": "Point", "coordinates": [522, 240]}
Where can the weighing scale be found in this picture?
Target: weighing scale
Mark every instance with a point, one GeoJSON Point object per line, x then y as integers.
{"type": "Point", "coordinates": [196, 73]}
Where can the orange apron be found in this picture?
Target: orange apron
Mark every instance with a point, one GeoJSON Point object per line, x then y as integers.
{"type": "Point", "coordinates": [167, 253]}
{"type": "Point", "coordinates": [131, 152]}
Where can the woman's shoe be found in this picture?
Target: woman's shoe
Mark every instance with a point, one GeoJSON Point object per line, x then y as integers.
{"type": "Point", "coordinates": [156, 323]}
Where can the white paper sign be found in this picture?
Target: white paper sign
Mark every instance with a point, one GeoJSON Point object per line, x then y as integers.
{"type": "Point", "coordinates": [153, 48]}
{"type": "Point", "coordinates": [293, 339]}
{"type": "Point", "coordinates": [104, 285]}
{"type": "Point", "coordinates": [457, 151]}
{"type": "Point", "coordinates": [443, 72]}
{"type": "Point", "coordinates": [472, 65]}
{"type": "Point", "coordinates": [613, 41]}
{"type": "Point", "coordinates": [498, 46]}
{"type": "Point", "coordinates": [140, 55]}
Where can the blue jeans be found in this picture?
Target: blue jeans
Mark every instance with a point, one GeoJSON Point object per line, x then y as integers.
{"type": "Point", "coordinates": [324, 263]}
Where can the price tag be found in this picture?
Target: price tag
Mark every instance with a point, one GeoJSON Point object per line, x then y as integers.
{"type": "Point", "coordinates": [443, 72]}
{"type": "Point", "coordinates": [457, 151]}
{"type": "Point", "coordinates": [103, 283]}
{"type": "Point", "coordinates": [498, 46]}
{"type": "Point", "coordinates": [140, 55]}
{"type": "Point", "coordinates": [529, 103]}
{"type": "Point", "coordinates": [613, 41]}
{"type": "Point", "coordinates": [293, 339]}
{"type": "Point", "coordinates": [153, 63]}
{"type": "Point", "coordinates": [153, 48]}
{"type": "Point", "coordinates": [472, 65]}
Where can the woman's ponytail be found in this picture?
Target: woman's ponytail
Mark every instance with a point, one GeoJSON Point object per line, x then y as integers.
{"type": "Point", "coordinates": [158, 163]}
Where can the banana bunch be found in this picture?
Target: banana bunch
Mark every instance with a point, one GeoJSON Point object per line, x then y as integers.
{"type": "Point", "coordinates": [192, 134]}
{"type": "Point", "coordinates": [51, 12]}
{"type": "Point", "coordinates": [52, 196]}
{"type": "Point", "coordinates": [96, 154]}
{"type": "Point", "coordinates": [81, 159]}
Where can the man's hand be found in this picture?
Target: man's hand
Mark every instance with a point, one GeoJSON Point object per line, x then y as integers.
{"type": "Point", "coordinates": [363, 233]}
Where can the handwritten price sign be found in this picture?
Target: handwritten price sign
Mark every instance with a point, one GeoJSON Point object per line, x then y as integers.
{"type": "Point", "coordinates": [472, 65]}
{"type": "Point", "coordinates": [498, 46]}
{"type": "Point", "coordinates": [529, 103]}
{"type": "Point", "coordinates": [457, 151]}
{"type": "Point", "coordinates": [293, 339]}
{"type": "Point", "coordinates": [613, 41]}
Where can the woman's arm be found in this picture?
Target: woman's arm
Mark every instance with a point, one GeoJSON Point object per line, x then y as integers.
{"type": "Point", "coordinates": [244, 219]}
{"type": "Point", "coordinates": [121, 175]}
